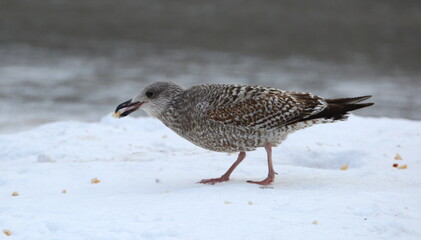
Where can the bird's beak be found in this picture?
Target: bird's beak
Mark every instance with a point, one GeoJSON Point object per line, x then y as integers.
{"type": "Point", "coordinates": [128, 106]}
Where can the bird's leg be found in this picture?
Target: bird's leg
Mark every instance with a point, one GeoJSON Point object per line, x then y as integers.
{"type": "Point", "coordinates": [226, 175]}
{"type": "Point", "coordinates": [271, 174]}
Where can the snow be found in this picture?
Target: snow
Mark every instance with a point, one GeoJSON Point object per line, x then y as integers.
{"type": "Point", "coordinates": [148, 184]}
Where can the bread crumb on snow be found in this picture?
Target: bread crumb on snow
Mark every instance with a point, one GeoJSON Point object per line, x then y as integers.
{"type": "Point", "coordinates": [344, 167]}
{"type": "Point", "coordinates": [398, 157]}
{"type": "Point", "coordinates": [95, 180]}
{"type": "Point", "coordinates": [7, 232]}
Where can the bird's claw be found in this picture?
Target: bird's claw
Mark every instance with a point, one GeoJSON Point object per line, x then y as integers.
{"type": "Point", "coordinates": [212, 181]}
{"type": "Point", "coordinates": [266, 181]}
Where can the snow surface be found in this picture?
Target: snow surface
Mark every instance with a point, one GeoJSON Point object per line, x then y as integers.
{"type": "Point", "coordinates": [148, 184]}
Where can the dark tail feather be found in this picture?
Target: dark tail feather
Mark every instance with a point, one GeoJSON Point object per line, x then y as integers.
{"type": "Point", "coordinates": [338, 109]}
{"type": "Point", "coordinates": [348, 100]}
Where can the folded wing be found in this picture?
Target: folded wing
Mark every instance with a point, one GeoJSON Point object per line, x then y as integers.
{"type": "Point", "coordinates": [267, 108]}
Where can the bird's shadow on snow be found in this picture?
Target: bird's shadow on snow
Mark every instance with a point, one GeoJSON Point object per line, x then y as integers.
{"type": "Point", "coordinates": [327, 160]}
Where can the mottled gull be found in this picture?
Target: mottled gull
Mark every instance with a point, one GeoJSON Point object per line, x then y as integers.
{"type": "Point", "coordinates": [237, 118]}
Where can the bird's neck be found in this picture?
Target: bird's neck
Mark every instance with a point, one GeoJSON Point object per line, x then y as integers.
{"type": "Point", "coordinates": [174, 111]}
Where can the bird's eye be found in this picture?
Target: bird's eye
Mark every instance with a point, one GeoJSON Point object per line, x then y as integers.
{"type": "Point", "coordinates": [149, 94]}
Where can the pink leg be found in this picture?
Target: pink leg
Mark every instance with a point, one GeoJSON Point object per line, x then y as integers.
{"type": "Point", "coordinates": [271, 174]}
{"type": "Point", "coordinates": [226, 175]}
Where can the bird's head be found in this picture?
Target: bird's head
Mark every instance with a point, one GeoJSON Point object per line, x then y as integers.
{"type": "Point", "coordinates": [153, 99]}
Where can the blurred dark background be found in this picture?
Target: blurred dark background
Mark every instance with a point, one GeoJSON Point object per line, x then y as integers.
{"type": "Point", "coordinates": [62, 59]}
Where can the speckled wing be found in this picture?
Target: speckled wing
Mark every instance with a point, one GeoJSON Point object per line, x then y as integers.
{"type": "Point", "coordinates": [261, 107]}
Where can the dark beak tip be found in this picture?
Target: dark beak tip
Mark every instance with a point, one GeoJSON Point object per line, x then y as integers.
{"type": "Point", "coordinates": [125, 104]}
{"type": "Point", "coordinates": [117, 113]}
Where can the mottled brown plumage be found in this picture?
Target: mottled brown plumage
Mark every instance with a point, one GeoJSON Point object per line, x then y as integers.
{"type": "Point", "coordinates": [237, 118]}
